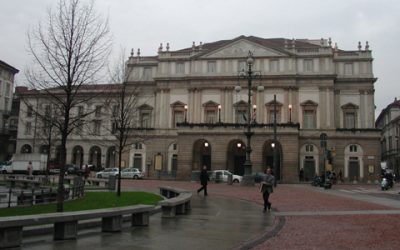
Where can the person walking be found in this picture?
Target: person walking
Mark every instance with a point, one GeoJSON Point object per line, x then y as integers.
{"type": "Point", "coordinates": [203, 180]}
{"type": "Point", "coordinates": [267, 188]}
{"type": "Point", "coordinates": [30, 168]}
{"type": "Point", "coordinates": [301, 174]}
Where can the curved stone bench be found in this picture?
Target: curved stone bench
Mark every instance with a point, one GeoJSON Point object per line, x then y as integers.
{"type": "Point", "coordinates": [178, 201]}
{"type": "Point", "coordinates": [65, 224]}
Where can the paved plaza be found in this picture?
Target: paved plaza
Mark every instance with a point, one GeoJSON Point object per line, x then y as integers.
{"type": "Point", "coordinates": [303, 217]}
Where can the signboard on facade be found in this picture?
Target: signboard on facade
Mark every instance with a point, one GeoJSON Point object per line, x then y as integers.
{"type": "Point", "coordinates": [371, 169]}
{"type": "Point", "coordinates": [158, 162]}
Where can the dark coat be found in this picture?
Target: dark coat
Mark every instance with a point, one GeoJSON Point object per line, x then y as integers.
{"type": "Point", "coordinates": [204, 177]}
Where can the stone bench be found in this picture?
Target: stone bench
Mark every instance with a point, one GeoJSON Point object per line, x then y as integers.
{"type": "Point", "coordinates": [24, 183]}
{"type": "Point", "coordinates": [66, 223]}
{"type": "Point", "coordinates": [178, 201]}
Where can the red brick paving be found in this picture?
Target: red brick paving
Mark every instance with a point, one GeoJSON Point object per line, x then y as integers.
{"type": "Point", "coordinates": [310, 232]}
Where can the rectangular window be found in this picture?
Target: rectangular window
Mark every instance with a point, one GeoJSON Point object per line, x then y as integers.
{"type": "Point", "coordinates": [113, 128]}
{"type": "Point", "coordinates": [79, 127]}
{"type": "Point", "coordinates": [147, 74]}
{"type": "Point", "coordinates": [350, 120]}
{"type": "Point", "coordinates": [6, 103]}
{"type": "Point", "coordinates": [97, 112]}
{"type": "Point", "coordinates": [390, 143]}
{"type": "Point", "coordinates": [96, 127]}
{"type": "Point", "coordinates": [29, 113]}
{"type": "Point", "coordinates": [145, 119]}
{"type": "Point", "coordinates": [241, 116]}
{"type": "Point", "coordinates": [273, 66]}
{"type": "Point", "coordinates": [348, 69]}
{"type": "Point", "coordinates": [211, 67]}
{"type": "Point", "coordinates": [242, 65]}
{"type": "Point", "coordinates": [8, 89]}
{"type": "Point", "coordinates": [178, 117]}
{"type": "Point", "coordinates": [80, 111]}
{"type": "Point", "coordinates": [180, 68]}
{"type": "Point", "coordinates": [308, 65]}
{"type": "Point", "coordinates": [28, 128]}
{"type": "Point", "coordinates": [210, 116]}
{"type": "Point", "coordinates": [115, 110]}
{"type": "Point", "coordinates": [47, 111]}
{"type": "Point", "coordinates": [271, 116]}
{"type": "Point", "coordinates": [309, 119]}
{"type": "Point", "coordinates": [0, 86]}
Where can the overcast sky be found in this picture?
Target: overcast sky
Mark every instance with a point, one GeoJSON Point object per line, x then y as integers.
{"type": "Point", "coordinates": [145, 24]}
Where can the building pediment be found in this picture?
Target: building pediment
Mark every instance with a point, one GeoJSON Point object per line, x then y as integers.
{"type": "Point", "coordinates": [178, 104]}
{"type": "Point", "coordinates": [145, 107]}
{"type": "Point", "coordinates": [309, 103]}
{"type": "Point", "coordinates": [349, 106]}
{"type": "Point", "coordinates": [210, 104]}
{"type": "Point", "coordinates": [241, 48]}
{"type": "Point", "coordinates": [272, 103]}
{"type": "Point", "coordinates": [240, 103]}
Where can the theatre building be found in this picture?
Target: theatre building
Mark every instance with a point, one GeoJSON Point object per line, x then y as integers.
{"type": "Point", "coordinates": [194, 107]}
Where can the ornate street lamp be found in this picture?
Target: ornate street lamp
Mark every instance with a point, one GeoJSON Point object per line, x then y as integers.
{"type": "Point", "coordinates": [248, 74]}
{"type": "Point", "coordinates": [186, 108]}
{"type": "Point", "coordinates": [219, 113]}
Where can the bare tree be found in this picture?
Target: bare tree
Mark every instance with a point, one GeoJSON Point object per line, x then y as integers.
{"type": "Point", "coordinates": [69, 51]}
{"type": "Point", "coordinates": [124, 111]}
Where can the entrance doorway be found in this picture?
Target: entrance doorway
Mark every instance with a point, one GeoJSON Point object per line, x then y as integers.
{"type": "Point", "coordinates": [236, 156]}
{"type": "Point", "coordinates": [309, 168]}
{"type": "Point", "coordinates": [354, 169]}
{"type": "Point", "coordinates": [201, 155]}
{"type": "Point", "coordinates": [268, 158]}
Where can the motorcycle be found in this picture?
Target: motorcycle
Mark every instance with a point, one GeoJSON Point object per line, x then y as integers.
{"type": "Point", "coordinates": [387, 180]}
{"type": "Point", "coordinates": [386, 183]}
{"type": "Point", "coordinates": [319, 181]}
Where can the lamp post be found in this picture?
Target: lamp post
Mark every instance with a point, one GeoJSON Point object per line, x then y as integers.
{"type": "Point", "coordinates": [186, 108]}
{"type": "Point", "coordinates": [275, 158]}
{"type": "Point", "coordinates": [290, 113]}
{"type": "Point", "coordinates": [219, 113]}
{"type": "Point", "coordinates": [249, 74]}
{"type": "Point", "coordinates": [254, 113]}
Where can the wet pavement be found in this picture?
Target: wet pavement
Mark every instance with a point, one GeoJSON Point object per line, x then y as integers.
{"type": "Point", "coordinates": [213, 223]}
{"type": "Point", "coordinates": [303, 217]}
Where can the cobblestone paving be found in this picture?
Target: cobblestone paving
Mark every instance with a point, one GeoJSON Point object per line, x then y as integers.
{"type": "Point", "coordinates": [349, 230]}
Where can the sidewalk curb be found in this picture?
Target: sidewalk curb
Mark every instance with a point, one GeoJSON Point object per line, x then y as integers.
{"type": "Point", "coordinates": [279, 223]}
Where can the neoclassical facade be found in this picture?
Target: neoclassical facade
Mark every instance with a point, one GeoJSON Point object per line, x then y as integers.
{"type": "Point", "coordinates": [192, 110]}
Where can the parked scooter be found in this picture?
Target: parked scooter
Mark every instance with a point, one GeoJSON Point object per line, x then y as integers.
{"type": "Point", "coordinates": [320, 181]}
{"type": "Point", "coordinates": [387, 180]}
{"type": "Point", "coordinates": [317, 181]}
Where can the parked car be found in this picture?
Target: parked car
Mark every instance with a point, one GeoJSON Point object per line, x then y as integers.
{"type": "Point", "coordinates": [107, 172]}
{"type": "Point", "coordinates": [133, 173]}
{"type": "Point", "coordinates": [74, 170]}
{"type": "Point", "coordinates": [5, 167]}
{"type": "Point", "coordinates": [222, 175]}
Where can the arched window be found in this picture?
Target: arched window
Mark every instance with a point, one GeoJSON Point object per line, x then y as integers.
{"type": "Point", "coordinates": [26, 149]}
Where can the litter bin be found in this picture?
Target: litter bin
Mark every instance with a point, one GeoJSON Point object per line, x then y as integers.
{"type": "Point", "coordinates": [112, 182]}
{"type": "Point", "coordinates": [230, 179]}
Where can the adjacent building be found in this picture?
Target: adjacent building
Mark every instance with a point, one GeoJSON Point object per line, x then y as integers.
{"type": "Point", "coordinates": [192, 111]}
{"type": "Point", "coordinates": [7, 73]}
{"type": "Point", "coordinates": [389, 122]}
